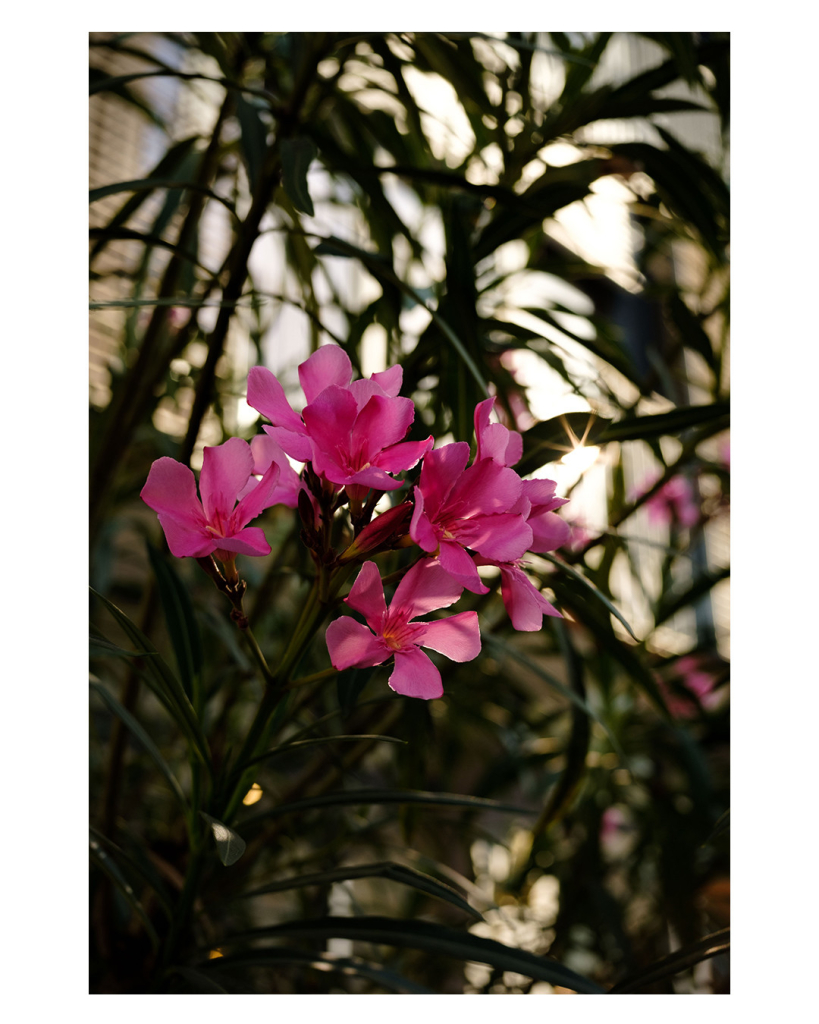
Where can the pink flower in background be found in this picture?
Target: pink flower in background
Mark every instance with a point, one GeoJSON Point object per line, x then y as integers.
{"type": "Point", "coordinates": [216, 523]}
{"type": "Point", "coordinates": [689, 672]}
{"type": "Point", "coordinates": [328, 366]}
{"type": "Point", "coordinates": [674, 502]}
{"type": "Point", "coordinates": [458, 508]}
{"type": "Point", "coordinates": [392, 633]}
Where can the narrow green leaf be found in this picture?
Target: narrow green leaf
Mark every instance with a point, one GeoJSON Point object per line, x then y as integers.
{"type": "Point", "coordinates": [323, 962]}
{"type": "Point", "coordinates": [100, 647]}
{"type": "Point", "coordinates": [380, 269]}
{"type": "Point", "coordinates": [503, 648]}
{"type": "Point", "coordinates": [361, 797]}
{"type": "Point", "coordinates": [198, 980]}
{"type": "Point", "coordinates": [109, 866]}
{"type": "Point", "coordinates": [145, 869]}
{"type": "Point", "coordinates": [183, 628]}
{"type": "Point", "coordinates": [615, 611]}
{"type": "Point", "coordinates": [101, 81]}
{"type": "Point", "coordinates": [680, 960]}
{"type": "Point", "coordinates": [384, 869]}
{"type": "Point", "coordinates": [164, 683]}
{"type": "Point", "coordinates": [300, 744]}
{"type": "Point", "coordinates": [297, 155]}
{"type": "Point", "coordinates": [151, 748]}
{"type": "Point", "coordinates": [149, 184]}
{"type": "Point", "coordinates": [433, 938]}
{"type": "Point", "coordinates": [229, 844]}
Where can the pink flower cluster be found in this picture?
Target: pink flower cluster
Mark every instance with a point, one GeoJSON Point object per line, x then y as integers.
{"type": "Point", "coordinates": [351, 438]}
{"type": "Point", "coordinates": [674, 502]}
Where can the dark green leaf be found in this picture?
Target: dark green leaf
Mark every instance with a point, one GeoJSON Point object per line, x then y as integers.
{"type": "Point", "coordinates": [151, 748]}
{"type": "Point", "coordinates": [632, 428]}
{"type": "Point", "coordinates": [362, 797]}
{"type": "Point", "coordinates": [433, 938]}
{"type": "Point", "coordinates": [149, 184]}
{"type": "Point", "coordinates": [183, 628]}
{"type": "Point", "coordinates": [100, 647]}
{"type": "Point", "coordinates": [101, 81]}
{"type": "Point", "coordinates": [164, 683]}
{"type": "Point", "coordinates": [297, 155]}
{"type": "Point", "coordinates": [324, 962]}
{"type": "Point", "coordinates": [385, 869]}
{"type": "Point", "coordinates": [679, 960]}
{"type": "Point", "coordinates": [109, 866]}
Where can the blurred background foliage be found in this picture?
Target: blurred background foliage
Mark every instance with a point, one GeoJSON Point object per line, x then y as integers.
{"type": "Point", "coordinates": [542, 214]}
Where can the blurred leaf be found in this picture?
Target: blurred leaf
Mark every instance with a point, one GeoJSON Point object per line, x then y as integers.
{"type": "Point", "coordinates": [433, 938]}
{"type": "Point", "coordinates": [101, 81]}
{"type": "Point", "coordinates": [301, 744]}
{"type": "Point", "coordinates": [109, 234]}
{"type": "Point", "coordinates": [229, 844]}
{"type": "Point", "coordinates": [297, 155]}
{"type": "Point", "coordinates": [151, 748]}
{"type": "Point", "coordinates": [691, 330]}
{"type": "Point", "coordinates": [143, 868]}
{"type": "Point", "coordinates": [663, 424]}
{"type": "Point", "coordinates": [679, 960]}
{"type": "Point", "coordinates": [722, 826]}
{"type": "Point", "coordinates": [101, 647]}
{"type": "Point", "coordinates": [168, 167]}
{"type": "Point", "coordinates": [150, 184]}
{"type": "Point", "coordinates": [671, 603]}
{"type": "Point", "coordinates": [385, 869]}
{"type": "Point", "coordinates": [253, 139]}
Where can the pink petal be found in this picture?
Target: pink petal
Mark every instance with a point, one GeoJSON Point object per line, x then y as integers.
{"type": "Point", "coordinates": [461, 567]}
{"type": "Point", "coordinates": [171, 489]}
{"type": "Point", "coordinates": [352, 645]}
{"type": "Point", "coordinates": [541, 493]}
{"type": "Point", "coordinates": [549, 532]}
{"type": "Point", "coordinates": [184, 539]}
{"type": "Point", "coordinates": [421, 529]}
{"type": "Point", "coordinates": [382, 422]}
{"type": "Point", "coordinates": [329, 421]}
{"type": "Point", "coordinates": [266, 395]}
{"type": "Point", "coordinates": [297, 446]}
{"type": "Point", "coordinates": [486, 487]}
{"type": "Point", "coordinates": [426, 587]}
{"type": "Point", "coordinates": [441, 469]}
{"type": "Point", "coordinates": [265, 450]}
{"type": "Point", "coordinates": [262, 496]}
{"type": "Point", "coordinates": [367, 596]}
{"type": "Point", "coordinates": [390, 380]}
{"type": "Point", "coordinates": [225, 471]}
{"type": "Point", "coordinates": [414, 675]}
{"type": "Point", "coordinates": [458, 636]}
{"type": "Point", "coordinates": [405, 455]}
{"type": "Point", "coordinates": [250, 541]}
{"type": "Point", "coordinates": [328, 365]}
{"type": "Point", "coordinates": [525, 604]}
{"type": "Point", "coordinates": [503, 538]}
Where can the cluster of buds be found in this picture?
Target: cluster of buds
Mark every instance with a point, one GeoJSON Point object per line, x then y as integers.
{"type": "Point", "coordinates": [350, 438]}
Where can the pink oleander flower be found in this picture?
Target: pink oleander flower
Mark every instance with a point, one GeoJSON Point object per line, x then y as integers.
{"type": "Point", "coordinates": [390, 632]}
{"type": "Point", "coordinates": [216, 524]}
{"type": "Point", "coordinates": [524, 603]}
{"type": "Point", "coordinates": [494, 440]}
{"type": "Point", "coordinates": [328, 366]}
{"type": "Point", "coordinates": [674, 502]}
{"type": "Point", "coordinates": [266, 451]}
{"type": "Point", "coordinates": [358, 447]}
{"type": "Point", "coordinates": [458, 508]}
